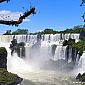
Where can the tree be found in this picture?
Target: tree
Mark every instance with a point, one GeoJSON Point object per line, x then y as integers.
{"type": "Point", "coordinates": [8, 32]}
{"type": "Point", "coordinates": [21, 18]}
{"type": "Point", "coordinates": [20, 31]}
{"type": "Point", "coordinates": [83, 2]}
{"type": "Point", "coordinates": [17, 32]}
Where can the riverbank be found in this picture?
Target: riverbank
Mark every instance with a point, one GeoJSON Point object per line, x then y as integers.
{"type": "Point", "coordinates": [7, 78]}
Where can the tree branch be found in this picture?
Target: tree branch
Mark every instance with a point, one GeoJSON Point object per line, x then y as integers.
{"type": "Point", "coordinates": [83, 1]}
{"type": "Point", "coordinates": [21, 18]}
{"type": "Point", "coordinates": [4, 0]}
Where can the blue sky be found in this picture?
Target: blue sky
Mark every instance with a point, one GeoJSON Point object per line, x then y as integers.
{"type": "Point", "coordinates": [55, 14]}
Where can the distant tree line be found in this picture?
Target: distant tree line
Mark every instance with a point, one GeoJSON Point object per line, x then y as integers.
{"type": "Point", "coordinates": [79, 46]}
{"type": "Point", "coordinates": [46, 31]}
{"type": "Point", "coordinates": [17, 32]}
{"type": "Point", "coordinates": [83, 16]}
{"type": "Point", "coordinates": [76, 29]}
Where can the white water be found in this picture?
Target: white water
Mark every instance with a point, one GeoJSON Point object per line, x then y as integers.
{"type": "Point", "coordinates": [60, 53]}
{"type": "Point", "coordinates": [33, 38]}
{"type": "Point", "coordinates": [37, 55]}
{"type": "Point", "coordinates": [81, 64]}
{"type": "Point", "coordinates": [33, 75]}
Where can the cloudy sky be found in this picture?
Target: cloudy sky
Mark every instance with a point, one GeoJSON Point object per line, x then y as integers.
{"type": "Point", "coordinates": [56, 14]}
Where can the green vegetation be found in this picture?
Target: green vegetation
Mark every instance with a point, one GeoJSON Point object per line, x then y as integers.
{"type": "Point", "coordinates": [83, 2]}
{"type": "Point", "coordinates": [17, 32]}
{"type": "Point", "coordinates": [3, 57]}
{"type": "Point", "coordinates": [6, 77]}
{"type": "Point", "coordinates": [76, 29]}
{"type": "Point", "coordinates": [69, 42]}
{"type": "Point", "coordinates": [49, 31]}
{"type": "Point", "coordinates": [79, 46]}
{"type": "Point", "coordinates": [3, 51]}
{"type": "Point", "coordinates": [20, 31]}
{"type": "Point", "coordinates": [18, 48]}
{"type": "Point", "coordinates": [81, 77]}
{"type": "Point", "coordinates": [46, 31]}
{"type": "Point", "coordinates": [8, 32]}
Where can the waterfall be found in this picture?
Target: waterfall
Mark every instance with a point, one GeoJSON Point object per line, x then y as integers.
{"type": "Point", "coordinates": [81, 63]}
{"type": "Point", "coordinates": [77, 58]}
{"type": "Point", "coordinates": [46, 60]}
{"type": "Point", "coordinates": [70, 55]}
{"type": "Point", "coordinates": [40, 49]}
{"type": "Point", "coordinates": [60, 53]}
{"type": "Point", "coordinates": [45, 37]}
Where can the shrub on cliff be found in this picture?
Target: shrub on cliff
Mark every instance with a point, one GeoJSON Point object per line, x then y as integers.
{"type": "Point", "coordinates": [3, 57]}
{"type": "Point", "coordinates": [69, 42]}
{"type": "Point", "coordinates": [7, 78]}
{"type": "Point", "coordinates": [79, 46]}
{"type": "Point", "coordinates": [3, 52]}
{"type": "Point", "coordinates": [81, 77]}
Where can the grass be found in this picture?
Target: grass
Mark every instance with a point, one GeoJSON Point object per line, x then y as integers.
{"type": "Point", "coordinates": [7, 77]}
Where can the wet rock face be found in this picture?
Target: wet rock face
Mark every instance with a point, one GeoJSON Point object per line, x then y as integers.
{"type": "Point", "coordinates": [18, 48]}
{"type": "Point", "coordinates": [80, 77]}
{"type": "Point", "coordinates": [73, 54]}
{"type": "Point", "coordinates": [3, 57]}
{"type": "Point", "coordinates": [17, 81]}
{"type": "Point", "coordinates": [53, 49]}
{"type": "Point", "coordinates": [7, 78]}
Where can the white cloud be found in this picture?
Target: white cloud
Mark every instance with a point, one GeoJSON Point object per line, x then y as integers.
{"type": "Point", "coordinates": [26, 20]}
{"type": "Point", "coordinates": [8, 15]}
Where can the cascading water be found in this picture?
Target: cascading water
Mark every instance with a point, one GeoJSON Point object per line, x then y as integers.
{"type": "Point", "coordinates": [44, 58]}
{"type": "Point", "coordinates": [81, 64]}
{"type": "Point", "coordinates": [60, 53]}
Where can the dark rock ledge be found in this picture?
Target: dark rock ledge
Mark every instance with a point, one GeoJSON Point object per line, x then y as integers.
{"type": "Point", "coordinates": [7, 78]}
{"type": "Point", "coordinates": [81, 77]}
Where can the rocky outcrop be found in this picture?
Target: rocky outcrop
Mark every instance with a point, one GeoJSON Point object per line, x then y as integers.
{"type": "Point", "coordinates": [72, 54]}
{"type": "Point", "coordinates": [18, 80]}
{"type": "Point", "coordinates": [53, 48]}
{"type": "Point", "coordinates": [7, 78]}
{"type": "Point", "coordinates": [3, 57]}
{"type": "Point", "coordinates": [19, 48]}
{"type": "Point", "coordinates": [81, 77]}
